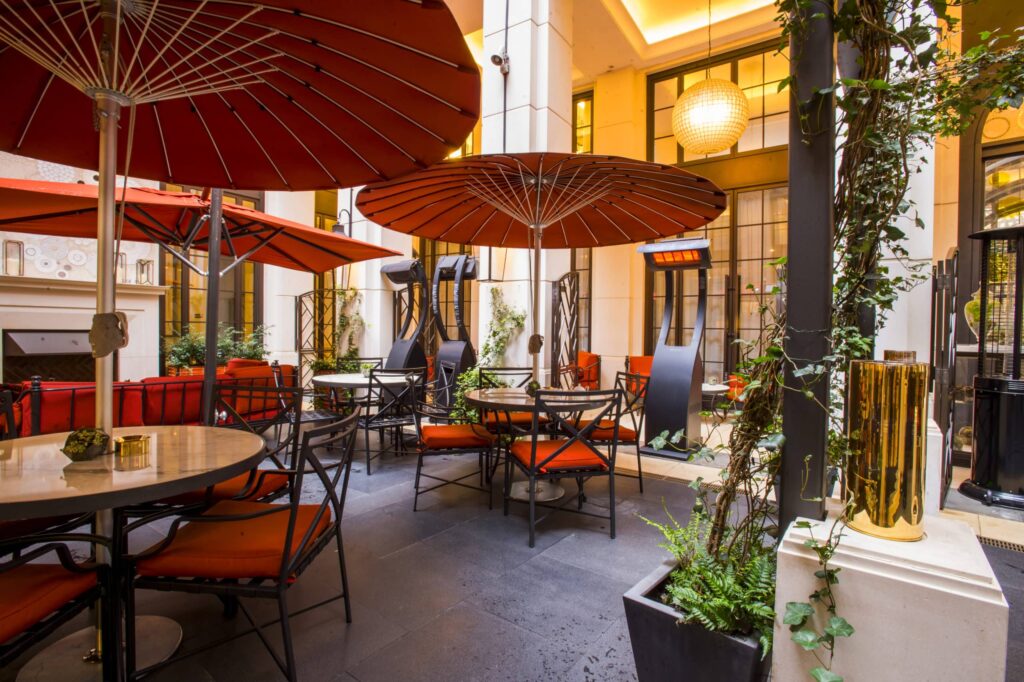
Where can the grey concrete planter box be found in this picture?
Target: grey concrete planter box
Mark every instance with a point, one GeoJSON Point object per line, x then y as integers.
{"type": "Point", "coordinates": [668, 651]}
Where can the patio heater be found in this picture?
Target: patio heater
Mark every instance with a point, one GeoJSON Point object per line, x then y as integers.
{"type": "Point", "coordinates": [674, 389]}
{"type": "Point", "coordinates": [407, 350]}
{"type": "Point", "coordinates": [997, 465]}
{"type": "Point", "coordinates": [456, 353]}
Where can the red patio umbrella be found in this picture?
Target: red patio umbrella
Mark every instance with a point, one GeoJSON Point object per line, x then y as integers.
{"type": "Point", "coordinates": [281, 94]}
{"type": "Point", "coordinates": [179, 221]}
{"type": "Point", "coordinates": [544, 200]}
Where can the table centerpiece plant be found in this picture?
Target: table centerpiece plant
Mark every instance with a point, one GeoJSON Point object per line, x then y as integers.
{"type": "Point", "coordinates": [85, 444]}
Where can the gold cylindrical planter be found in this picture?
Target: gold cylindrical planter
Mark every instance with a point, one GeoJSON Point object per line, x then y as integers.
{"type": "Point", "coordinates": [888, 404]}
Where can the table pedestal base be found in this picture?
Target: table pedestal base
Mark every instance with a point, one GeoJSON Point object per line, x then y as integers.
{"type": "Point", "coordinates": [156, 640]}
{"type": "Point", "coordinates": [547, 491]}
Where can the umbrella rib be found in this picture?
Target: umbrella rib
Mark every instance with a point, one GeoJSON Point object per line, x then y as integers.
{"type": "Point", "coordinates": [160, 53]}
{"type": "Point", "coordinates": [25, 46]}
{"type": "Point", "coordinates": [655, 232]}
{"type": "Point", "coordinates": [167, 247]}
{"type": "Point", "coordinates": [85, 63]}
{"type": "Point", "coordinates": [262, 241]}
{"type": "Point", "coordinates": [480, 229]}
{"type": "Point", "coordinates": [35, 109]}
{"type": "Point", "coordinates": [155, 225]}
{"type": "Point", "coordinates": [142, 39]}
{"type": "Point", "coordinates": [587, 228]}
{"type": "Point", "coordinates": [613, 223]}
{"type": "Point", "coordinates": [45, 216]}
{"type": "Point", "coordinates": [458, 222]}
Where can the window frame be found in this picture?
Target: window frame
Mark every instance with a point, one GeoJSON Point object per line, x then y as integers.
{"type": "Point", "coordinates": [583, 96]}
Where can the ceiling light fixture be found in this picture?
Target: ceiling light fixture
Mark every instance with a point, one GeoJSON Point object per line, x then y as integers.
{"type": "Point", "coordinates": [710, 116]}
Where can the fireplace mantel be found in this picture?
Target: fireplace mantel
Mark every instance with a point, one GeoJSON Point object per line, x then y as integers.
{"type": "Point", "coordinates": [75, 286]}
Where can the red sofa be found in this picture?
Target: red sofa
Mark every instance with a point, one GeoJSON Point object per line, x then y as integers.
{"type": "Point", "coordinates": [53, 407]}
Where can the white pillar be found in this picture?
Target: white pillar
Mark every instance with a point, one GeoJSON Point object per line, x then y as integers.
{"type": "Point", "coordinates": [281, 287]}
{"type": "Point", "coordinates": [532, 111]}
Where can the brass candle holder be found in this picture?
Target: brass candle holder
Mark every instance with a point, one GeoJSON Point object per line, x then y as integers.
{"type": "Point", "coordinates": [132, 452]}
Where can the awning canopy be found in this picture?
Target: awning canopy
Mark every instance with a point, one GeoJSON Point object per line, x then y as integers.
{"type": "Point", "coordinates": [179, 220]}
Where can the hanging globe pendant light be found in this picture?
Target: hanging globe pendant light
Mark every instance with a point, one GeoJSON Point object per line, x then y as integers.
{"type": "Point", "coordinates": [711, 115]}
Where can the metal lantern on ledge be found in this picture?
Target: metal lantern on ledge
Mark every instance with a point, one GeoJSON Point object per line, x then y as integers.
{"type": "Point", "coordinates": [997, 466]}
{"type": "Point", "coordinates": [674, 389]}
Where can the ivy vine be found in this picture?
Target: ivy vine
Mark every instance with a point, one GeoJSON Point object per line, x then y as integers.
{"type": "Point", "coordinates": [506, 323]}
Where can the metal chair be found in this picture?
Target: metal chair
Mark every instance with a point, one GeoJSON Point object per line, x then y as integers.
{"type": "Point", "coordinates": [633, 391]}
{"type": "Point", "coordinates": [236, 549]}
{"type": "Point", "coordinates": [577, 455]}
{"type": "Point", "coordinates": [40, 597]}
{"type": "Point", "coordinates": [438, 434]}
{"type": "Point", "coordinates": [389, 407]}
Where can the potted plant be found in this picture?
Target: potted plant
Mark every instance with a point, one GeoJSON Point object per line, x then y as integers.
{"type": "Point", "coordinates": [250, 347]}
{"type": "Point", "coordinates": [186, 355]}
{"type": "Point", "coordinates": [365, 368]}
{"type": "Point", "coordinates": [85, 444]}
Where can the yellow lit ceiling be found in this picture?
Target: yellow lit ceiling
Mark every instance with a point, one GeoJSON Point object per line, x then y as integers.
{"type": "Point", "coordinates": [660, 20]}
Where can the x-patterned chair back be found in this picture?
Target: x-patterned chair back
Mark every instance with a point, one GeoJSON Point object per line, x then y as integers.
{"type": "Point", "coordinates": [239, 549]}
{"type": "Point", "coordinates": [505, 377]}
{"type": "Point", "coordinates": [576, 454]}
{"type": "Point", "coordinates": [271, 412]}
{"type": "Point", "coordinates": [633, 388]}
{"type": "Point", "coordinates": [445, 383]}
{"type": "Point", "coordinates": [390, 405]}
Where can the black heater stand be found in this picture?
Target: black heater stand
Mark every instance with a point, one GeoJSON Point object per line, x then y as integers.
{"type": "Point", "coordinates": [997, 465]}
{"type": "Point", "coordinates": [407, 351]}
{"type": "Point", "coordinates": [673, 398]}
{"type": "Point", "coordinates": [454, 355]}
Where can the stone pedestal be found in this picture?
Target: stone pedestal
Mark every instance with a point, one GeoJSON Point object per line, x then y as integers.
{"type": "Point", "coordinates": [928, 610]}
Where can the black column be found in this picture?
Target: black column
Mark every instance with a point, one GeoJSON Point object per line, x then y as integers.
{"type": "Point", "coordinates": [809, 286]}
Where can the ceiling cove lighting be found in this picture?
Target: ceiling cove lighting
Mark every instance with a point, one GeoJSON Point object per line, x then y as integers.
{"type": "Point", "coordinates": [711, 115]}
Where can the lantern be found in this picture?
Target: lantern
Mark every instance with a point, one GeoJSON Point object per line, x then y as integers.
{"type": "Point", "coordinates": [710, 116]}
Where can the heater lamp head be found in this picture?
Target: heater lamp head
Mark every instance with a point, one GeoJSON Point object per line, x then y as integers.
{"type": "Point", "coordinates": [677, 254]}
{"type": "Point", "coordinates": [403, 272]}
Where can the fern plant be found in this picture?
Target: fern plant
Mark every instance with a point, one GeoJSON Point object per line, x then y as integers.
{"type": "Point", "coordinates": [723, 593]}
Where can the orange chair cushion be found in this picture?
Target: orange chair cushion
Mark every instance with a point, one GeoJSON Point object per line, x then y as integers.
{"type": "Point", "coordinates": [230, 489]}
{"type": "Point", "coordinates": [448, 436]}
{"type": "Point", "coordinates": [588, 369]}
{"type": "Point", "coordinates": [606, 431]}
{"type": "Point", "coordinates": [251, 548]}
{"type": "Point", "coordinates": [737, 385]}
{"type": "Point", "coordinates": [499, 419]}
{"type": "Point", "coordinates": [640, 364]}
{"type": "Point", "coordinates": [30, 593]}
{"type": "Point", "coordinates": [576, 456]}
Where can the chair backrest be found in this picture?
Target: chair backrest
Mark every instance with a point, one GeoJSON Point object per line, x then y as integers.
{"type": "Point", "coordinates": [395, 398]}
{"type": "Point", "coordinates": [336, 441]}
{"type": "Point", "coordinates": [52, 407]}
{"type": "Point", "coordinates": [172, 400]}
{"type": "Point", "coordinates": [350, 365]}
{"type": "Point", "coordinates": [633, 390]}
{"type": "Point", "coordinates": [272, 412]}
{"type": "Point", "coordinates": [588, 370]}
{"type": "Point", "coordinates": [639, 364]}
{"type": "Point", "coordinates": [505, 377]}
{"type": "Point", "coordinates": [444, 385]}
{"type": "Point", "coordinates": [564, 410]}
{"type": "Point", "coordinates": [8, 428]}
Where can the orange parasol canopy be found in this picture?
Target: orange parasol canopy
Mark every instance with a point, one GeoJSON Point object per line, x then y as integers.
{"type": "Point", "coordinates": [178, 220]}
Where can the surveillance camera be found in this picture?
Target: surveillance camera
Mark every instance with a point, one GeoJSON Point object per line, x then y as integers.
{"type": "Point", "coordinates": [497, 60]}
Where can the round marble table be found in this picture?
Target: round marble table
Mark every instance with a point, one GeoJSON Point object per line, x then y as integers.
{"type": "Point", "coordinates": [37, 479]}
{"type": "Point", "coordinates": [515, 400]}
{"type": "Point", "coordinates": [356, 380]}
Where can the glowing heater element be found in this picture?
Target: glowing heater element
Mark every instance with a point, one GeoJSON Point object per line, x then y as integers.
{"type": "Point", "coordinates": [678, 254]}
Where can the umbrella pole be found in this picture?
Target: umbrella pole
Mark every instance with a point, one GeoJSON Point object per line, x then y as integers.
{"type": "Point", "coordinates": [212, 304]}
{"type": "Point", "coordinates": [537, 339]}
{"type": "Point", "coordinates": [108, 108]}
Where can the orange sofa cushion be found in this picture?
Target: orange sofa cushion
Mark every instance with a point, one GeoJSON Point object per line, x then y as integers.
{"type": "Point", "coordinates": [270, 483]}
{"type": "Point", "coordinates": [172, 400]}
{"type": "Point", "coordinates": [56, 414]}
{"type": "Point", "coordinates": [30, 593]}
{"type": "Point", "coordinates": [576, 456]}
{"type": "Point", "coordinates": [238, 363]}
{"type": "Point", "coordinates": [446, 436]}
{"type": "Point", "coordinates": [251, 548]}
{"type": "Point", "coordinates": [606, 431]}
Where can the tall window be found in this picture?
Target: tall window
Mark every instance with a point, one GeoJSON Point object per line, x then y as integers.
{"type": "Point", "coordinates": [758, 74]}
{"type": "Point", "coordinates": [429, 251]}
{"type": "Point", "coordinates": [240, 300]}
{"type": "Point", "coordinates": [583, 122]}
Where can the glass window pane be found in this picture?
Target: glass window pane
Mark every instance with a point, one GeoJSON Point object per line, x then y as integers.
{"type": "Point", "coordinates": [716, 311]}
{"type": "Point", "coordinates": [666, 151]}
{"type": "Point", "coordinates": [719, 244]}
{"type": "Point", "coordinates": [776, 65]}
{"type": "Point", "coordinates": [716, 279]}
{"type": "Point", "coordinates": [748, 242]}
{"type": "Point", "coordinates": [722, 71]}
{"type": "Point", "coordinates": [751, 137]}
{"type": "Point", "coordinates": [776, 205]}
{"type": "Point", "coordinates": [666, 92]}
{"type": "Point", "coordinates": [775, 242]}
{"type": "Point", "coordinates": [693, 77]}
{"type": "Point", "coordinates": [755, 99]}
{"type": "Point", "coordinates": [690, 156]}
{"type": "Point", "coordinates": [774, 101]}
{"type": "Point", "coordinates": [776, 130]}
{"type": "Point", "coordinates": [748, 206]}
{"type": "Point", "coordinates": [584, 111]}
{"type": "Point", "coordinates": [749, 272]}
{"type": "Point", "coordinates": [583, 141]}
{"type": "Point", "coordinates": [689, 286]}
{"type": "Point", "coordinates": [714, 346]}
{"type": "Point", "coordinates": [750, 71]}
{"type": "Point", "coordinates": [662, 123]}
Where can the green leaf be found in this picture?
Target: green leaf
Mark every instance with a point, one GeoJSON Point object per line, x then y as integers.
{"type": "Point", "coordinates": [807, 639]}
{"type": "Point", "coordinates": [838, 627]}
{"type": "Point", "coordinates": [797, 613]}
{"type": "Point", "coordinates": [822, 675]}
